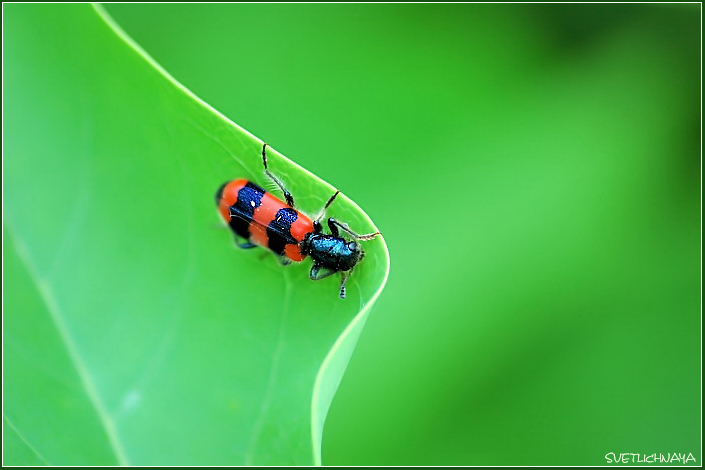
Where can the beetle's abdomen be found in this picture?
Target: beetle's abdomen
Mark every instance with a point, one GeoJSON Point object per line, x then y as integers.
{"type": "Point", "coordinates": [260, 217]}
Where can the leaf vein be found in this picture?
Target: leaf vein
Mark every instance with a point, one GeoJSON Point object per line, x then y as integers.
{"type": "Point", "coordinates": [22, 437]}
{"type": "Point", "coordinates": [62, 328]}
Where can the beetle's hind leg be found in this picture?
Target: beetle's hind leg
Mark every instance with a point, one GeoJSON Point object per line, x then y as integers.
{"type": "Point", "coordinates": [287, 195]}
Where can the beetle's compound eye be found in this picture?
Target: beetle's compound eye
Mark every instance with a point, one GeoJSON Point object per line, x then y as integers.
{"type": "Point", "coordinates": [352, 246]}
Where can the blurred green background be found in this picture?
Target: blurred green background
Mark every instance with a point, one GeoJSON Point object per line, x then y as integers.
{"type": "Point", "coordinates": [535, 170]}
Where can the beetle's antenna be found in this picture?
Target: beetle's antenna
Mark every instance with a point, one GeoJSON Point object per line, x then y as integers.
{"type": "Point", "coordinates": [368, 236]}
{"type": "Point", "coordinates": [346, 229]}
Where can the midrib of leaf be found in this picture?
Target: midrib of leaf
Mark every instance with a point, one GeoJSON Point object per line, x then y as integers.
{"type": "Point", "coordinates": [67, 340]}
{"type": "Point", "coordinates": [267, 400]}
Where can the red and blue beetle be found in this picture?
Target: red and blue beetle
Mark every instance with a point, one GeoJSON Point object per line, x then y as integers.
{"type": "Point", "coordinates": [258, 218]}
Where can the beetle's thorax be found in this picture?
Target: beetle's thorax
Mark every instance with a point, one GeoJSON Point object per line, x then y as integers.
{"type": "Point", "coordinates": [331, 252]}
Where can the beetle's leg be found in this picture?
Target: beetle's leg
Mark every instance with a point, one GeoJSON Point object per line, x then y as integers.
{"type": "Point", "coordinates": [287, 195]}
{"type": "Point", "coordinates": [322, 212]}
{"type": "Point", "coordinates": [333, 226]}
{"type": "Point", "coordinates": [345, 275]}
{"type": "Point", "coordinates": [319, 272]}
{"type": "Point", "coordinates": [242, 243]}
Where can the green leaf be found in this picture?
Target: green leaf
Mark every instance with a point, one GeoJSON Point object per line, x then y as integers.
{"type": "Point", "coordinates": [135, 332]}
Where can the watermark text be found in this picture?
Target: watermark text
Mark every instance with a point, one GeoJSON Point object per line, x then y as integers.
{"type": "Point", "coordinates": [628, 457]}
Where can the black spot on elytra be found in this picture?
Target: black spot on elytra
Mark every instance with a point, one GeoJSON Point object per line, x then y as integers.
{"type": "Point", "coordinates": [241, 213]}
{"type": "Point", "coordinates": [279, 230]}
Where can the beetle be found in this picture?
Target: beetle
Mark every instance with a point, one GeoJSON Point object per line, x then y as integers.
{"type": "Point", "coordinates": [258, 218]}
